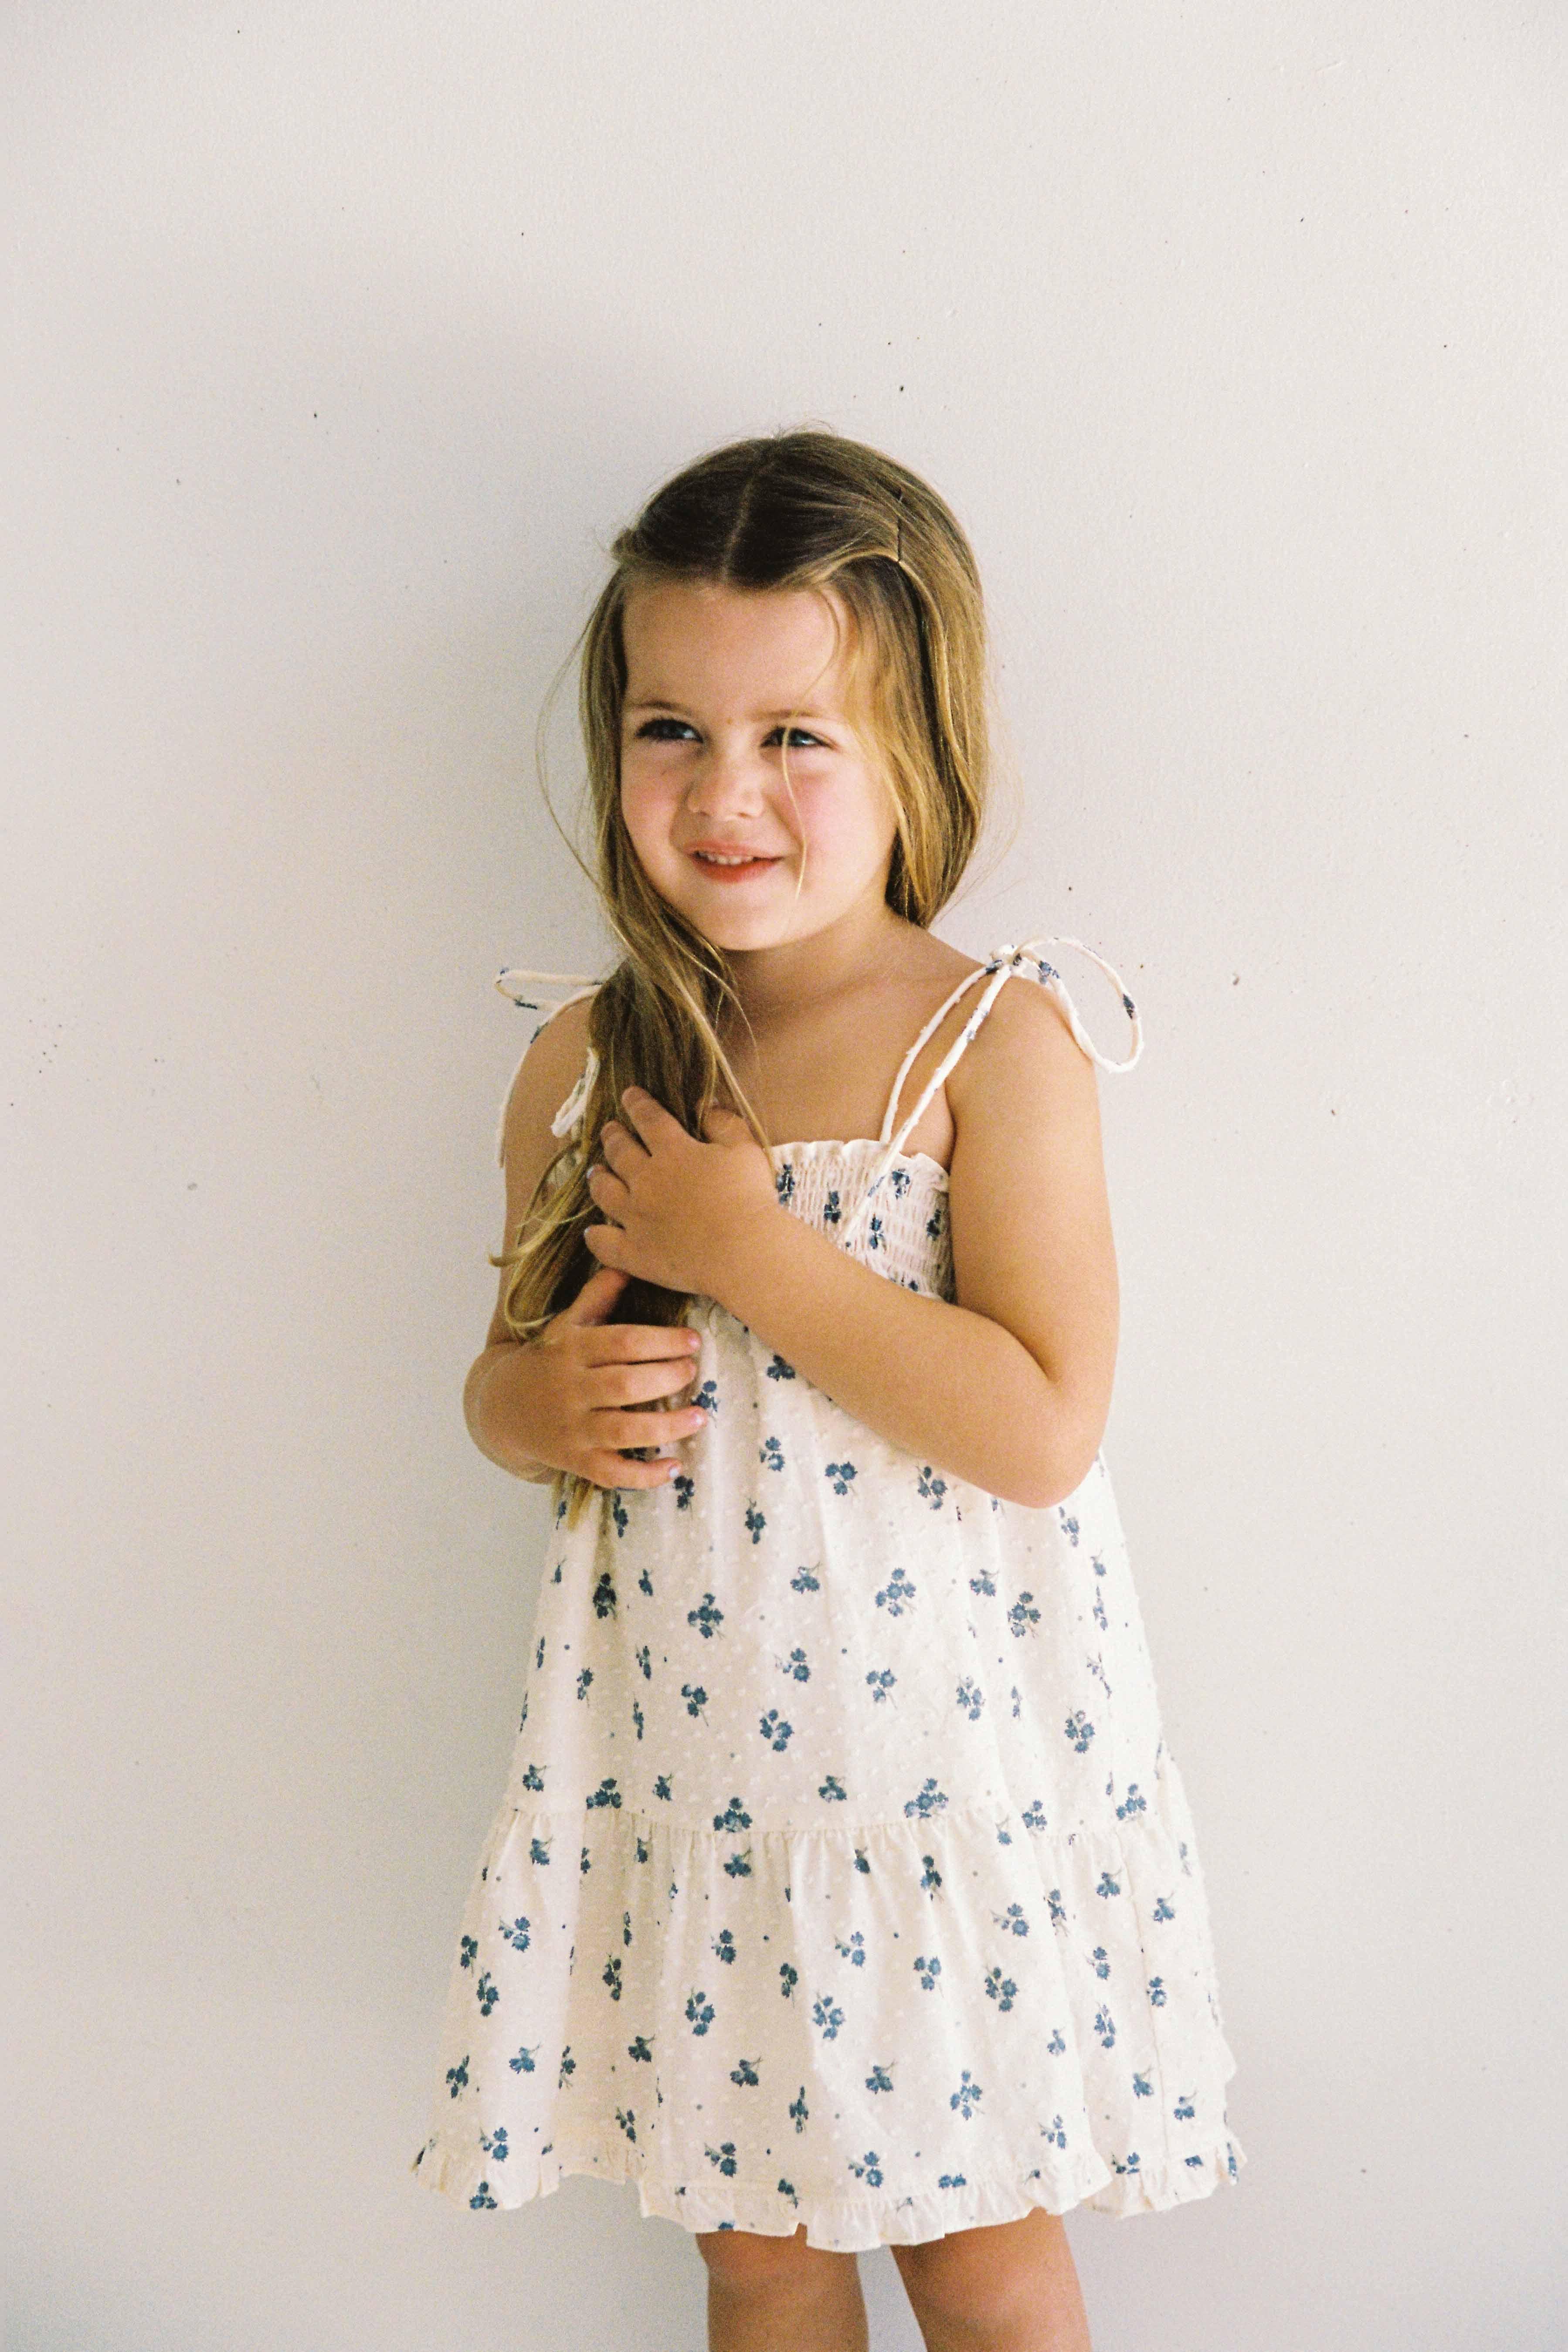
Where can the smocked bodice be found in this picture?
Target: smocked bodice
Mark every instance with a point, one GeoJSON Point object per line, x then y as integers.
{"type": "Point", "coordinates": [886, 1206]}
{"type": "Point", "coordinates": [890, 1213]}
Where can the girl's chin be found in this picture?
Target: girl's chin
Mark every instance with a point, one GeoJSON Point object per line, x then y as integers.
{"type": "Point", "coordinates": [738, 928]}
{"type": "Point", "coordinates": [754, 911]}
{"type": "Point", "coordinates": [734, 930]}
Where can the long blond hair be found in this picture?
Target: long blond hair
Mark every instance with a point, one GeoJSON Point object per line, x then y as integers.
{"type": "Point", "coordinates": [802, 510]}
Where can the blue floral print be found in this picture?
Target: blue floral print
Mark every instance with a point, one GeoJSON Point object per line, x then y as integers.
{"type": "Point", "coordinates": [707, 1619]}
{"type": "Point", "coordinates": [886, 1913]}
{"type": "Point", "coordinates": [967, 2096]}
{"type": "Point", "coordinates": [930, 1800]}
{"type": "Point", "coordinates": [896, 1594]}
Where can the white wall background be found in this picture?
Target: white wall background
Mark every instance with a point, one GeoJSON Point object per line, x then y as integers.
{"type": "Point", "coordinates": [339, 340]}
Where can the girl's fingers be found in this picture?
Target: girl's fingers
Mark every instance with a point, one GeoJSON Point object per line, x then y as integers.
{"type": "Point", "coordinates": [648, 1115]}
{"type": "Point", "coordinates": [623, 1343]}
{"type": "Point", "coordinates": [615, 1470]}
{"type": "Point", "coordinates": [618, 1429]}
{"type": "Point", "coordinates": [614, 1138]}
{"type": "Point", "coordinates": [609, 1191]}
{"type": "Point", "coordinates": [633, 1363]}
{"type": "Point", "coordinates": [608, 1385]}
{"type": "Point", "coordinates": [719, 1120]}
{"type": "Point", "coordinates": [602, 1242]}
{"type": "Point", "coordinates": [596, 1297]}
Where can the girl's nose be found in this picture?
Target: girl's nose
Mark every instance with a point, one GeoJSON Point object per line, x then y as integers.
{"type": "Point", "coordinates": [723, 781]}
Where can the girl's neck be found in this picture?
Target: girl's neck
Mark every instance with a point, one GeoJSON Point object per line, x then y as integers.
{"type": "Point", "coordinates": [805, 975]}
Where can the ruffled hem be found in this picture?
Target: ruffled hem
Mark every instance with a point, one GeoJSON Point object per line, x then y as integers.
{"type": "Point", "coordinates": [838, 2225]}
{"type": "Point", "coordinates": [1071, 2124]}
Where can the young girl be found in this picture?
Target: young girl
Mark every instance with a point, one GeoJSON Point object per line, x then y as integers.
{"type": "Point", "coordinates": [844, 1892]}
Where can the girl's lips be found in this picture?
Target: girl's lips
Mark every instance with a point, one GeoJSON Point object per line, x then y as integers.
{"type": "Point", "coordinates": [731, 873]}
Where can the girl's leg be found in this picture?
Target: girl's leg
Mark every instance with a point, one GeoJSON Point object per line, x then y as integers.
{"type": "Point", "coordinates": [1009, 2288]}
{"type": "Point", "coordinates": [779, 2294]}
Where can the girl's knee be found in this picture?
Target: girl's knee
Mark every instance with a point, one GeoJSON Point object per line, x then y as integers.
{"type": "Point", "coordinates": [986, 2277]}
{"type": "Point", "coordinates": [745, 2259]}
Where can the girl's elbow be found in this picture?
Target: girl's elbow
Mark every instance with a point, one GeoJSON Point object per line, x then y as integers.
{"type": "Point", "coordinates": [1065, 1452]}
{"type": "Point", "coordinates": [1044, 1494]}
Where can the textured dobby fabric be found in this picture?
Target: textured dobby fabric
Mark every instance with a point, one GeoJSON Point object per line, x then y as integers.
{"type": "Point", "coordinates": [843, 1875]}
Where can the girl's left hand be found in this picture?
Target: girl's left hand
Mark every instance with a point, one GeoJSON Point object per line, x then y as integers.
{"type": "Point", "coordinates": [679, 1209]}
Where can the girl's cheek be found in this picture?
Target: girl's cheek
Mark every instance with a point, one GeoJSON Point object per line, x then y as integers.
{"type": "Point", "coordinates": [811, 811]}
{"type": "Point", "coordinates": [646, 811]}
{"type": "Point", "coordinates": [823, 826]}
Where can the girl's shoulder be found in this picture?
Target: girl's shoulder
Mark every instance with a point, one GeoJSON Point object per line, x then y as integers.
{"type": "Point", "coordinates": [563, 1036]}
{"type": "Point", "coordinates": [1023, 1052]}
{"type": "Point", "coordinates": [1040, 1015]}
{"type": "Point", "coordinates": [1028, 1052]}
{"type": "Point", "coordinates": [551, 1065]}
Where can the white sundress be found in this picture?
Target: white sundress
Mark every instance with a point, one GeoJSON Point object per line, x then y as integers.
{"type": "Point", "coordinates": [842, 1875]}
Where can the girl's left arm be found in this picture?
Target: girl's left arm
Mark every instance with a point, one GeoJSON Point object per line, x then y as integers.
{"type": "Point", "coordinates": [1010, 1386]}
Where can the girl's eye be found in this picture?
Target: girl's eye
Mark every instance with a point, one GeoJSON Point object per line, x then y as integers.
{"type": "Point", "coordinates": [799, 738]}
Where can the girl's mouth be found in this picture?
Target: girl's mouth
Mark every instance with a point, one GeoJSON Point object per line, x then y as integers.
{"type": "Point", "coordinates": [725, 870]}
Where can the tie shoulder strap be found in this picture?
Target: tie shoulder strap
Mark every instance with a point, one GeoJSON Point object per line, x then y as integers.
{"type": "Point", "coordinates": [1011, 959]}
{"type": "Point", "coordinates": [533, 991]}
{"type": "Point", "coordinates": [895, 1143]}
{"type": "Point", "coordinates": [997, 968]}
{"type": "Point", "coordinates": [995, 971]}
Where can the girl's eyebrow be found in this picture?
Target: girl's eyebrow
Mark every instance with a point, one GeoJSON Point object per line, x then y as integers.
{"type": "Point", "coordinates": [659, 702]}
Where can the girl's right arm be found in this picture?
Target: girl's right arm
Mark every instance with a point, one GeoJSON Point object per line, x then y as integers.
{"type": "Point", "coordinates": [564, 1399]}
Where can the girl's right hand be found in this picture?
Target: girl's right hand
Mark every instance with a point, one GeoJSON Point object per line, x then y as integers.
{"type": "Point", "coordinates": [580, 1390]}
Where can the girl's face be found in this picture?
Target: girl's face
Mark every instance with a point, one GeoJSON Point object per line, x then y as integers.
{"type": "Point", "coordinates": [713, 675]}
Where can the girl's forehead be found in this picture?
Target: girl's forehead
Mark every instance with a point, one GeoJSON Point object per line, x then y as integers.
{"type": "Point", "coordinates": [701, 635]}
